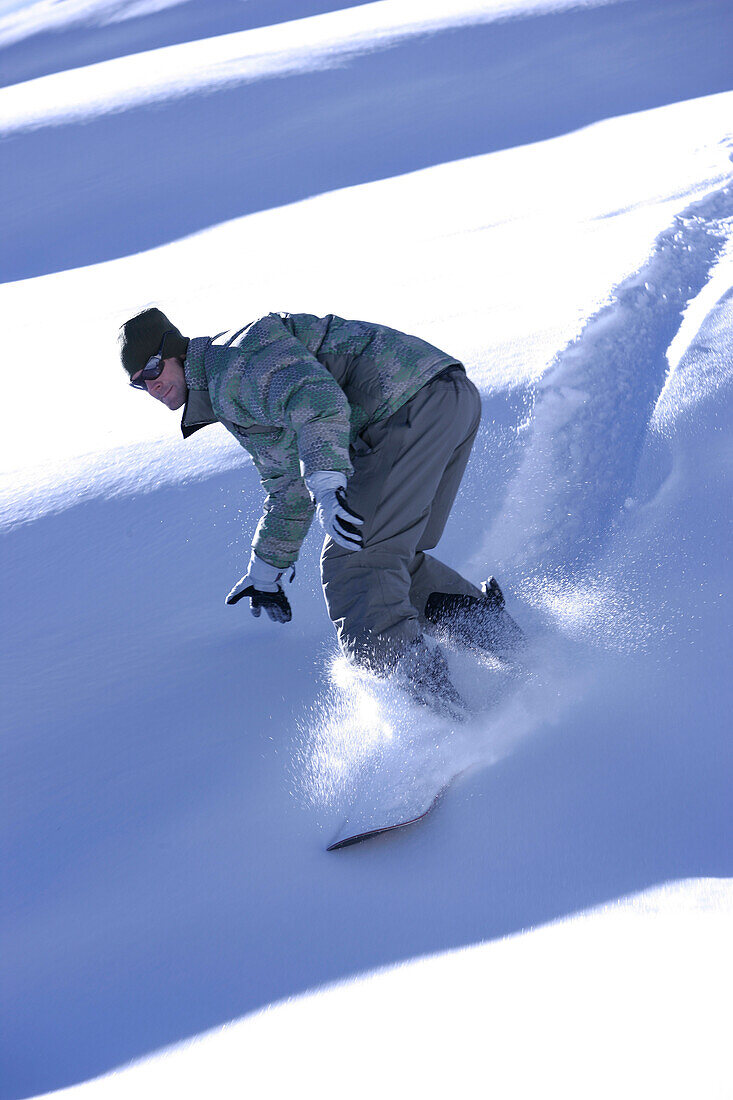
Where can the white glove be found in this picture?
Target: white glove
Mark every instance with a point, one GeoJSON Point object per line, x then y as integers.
{"type": "Point", "coordinates": [260, 574]}
{"type": "Point", "coordinates": [327, 488]}
{"type": "Point", "coordinates": [261, 585]}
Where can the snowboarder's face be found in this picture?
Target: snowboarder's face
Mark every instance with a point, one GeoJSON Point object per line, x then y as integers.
{"type": "Point", "coordinates": [170, 385]}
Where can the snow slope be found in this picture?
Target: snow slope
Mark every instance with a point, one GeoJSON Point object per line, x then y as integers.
{"type": "Point", "coordinates": [172, 770]}
{"type": "Point", "coordinates": [139, 159]}
{"type": "Point", "coordinates": [551, 1005]}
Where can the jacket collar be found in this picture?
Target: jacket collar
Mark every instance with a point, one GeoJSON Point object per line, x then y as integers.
{"type": "Point", "coordinates": [197, 412]}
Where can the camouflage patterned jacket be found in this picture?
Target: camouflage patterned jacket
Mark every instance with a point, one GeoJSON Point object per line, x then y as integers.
{"type": "Point", "coordinates": [296, 390]}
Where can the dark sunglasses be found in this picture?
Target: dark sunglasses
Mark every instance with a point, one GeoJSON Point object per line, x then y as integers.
{"type": "Point", "coordinates": [153, 368]}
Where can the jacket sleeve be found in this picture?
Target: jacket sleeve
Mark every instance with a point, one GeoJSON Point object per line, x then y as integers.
{"type": "Point", "coordinates": [285, 385]}
{"type": "Point", "coordinates": [288, 509]}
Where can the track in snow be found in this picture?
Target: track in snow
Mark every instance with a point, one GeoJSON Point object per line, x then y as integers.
{"type": "Point", "coordinates": [594, 404]}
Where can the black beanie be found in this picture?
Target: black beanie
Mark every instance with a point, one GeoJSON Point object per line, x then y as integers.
{"type": "Point", "coordinates": [140, 338]}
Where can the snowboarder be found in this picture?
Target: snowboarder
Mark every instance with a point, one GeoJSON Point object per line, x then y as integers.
{"type": "Point", "coordinates": [366, 427]}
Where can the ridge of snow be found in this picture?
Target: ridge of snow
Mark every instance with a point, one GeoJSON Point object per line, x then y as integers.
{"type": "Point", "coordinates": [47, 14]}
{"type": "Point", "coordinates": [554, 1003]}
{"type": "Point", "coordinates": [703, 369]}
{"type": "Point", "coordinates": [304, 45]}
{"type": "Point", "coordinates": [25, 19]}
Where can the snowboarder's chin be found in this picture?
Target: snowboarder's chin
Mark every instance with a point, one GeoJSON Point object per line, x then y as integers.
{"type": "Point", "coordinates": [174, 400]}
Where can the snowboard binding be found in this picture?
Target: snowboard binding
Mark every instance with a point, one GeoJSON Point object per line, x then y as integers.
{"type": "Point", "coordinates": [476, 622]}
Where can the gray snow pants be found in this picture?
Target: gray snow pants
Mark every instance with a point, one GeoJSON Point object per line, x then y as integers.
{"type": "Point", "coordinates": [407, 470]}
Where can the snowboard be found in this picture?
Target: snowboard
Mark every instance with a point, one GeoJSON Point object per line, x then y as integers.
{"type": "Point", "coordinates": [371, 817]}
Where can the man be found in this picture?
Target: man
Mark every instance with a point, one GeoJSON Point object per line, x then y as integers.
{"type": "Point", "coordinates": [366, 427]}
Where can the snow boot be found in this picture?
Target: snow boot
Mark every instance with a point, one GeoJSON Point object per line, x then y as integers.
{"type": "Point", "coordinates": [424, 674]}
{"type": "Point", "coordinates": [476, 622]}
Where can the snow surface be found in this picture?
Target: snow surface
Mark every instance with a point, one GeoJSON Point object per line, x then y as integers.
{"type": "Point", "coordinates": [299, 121]}
{"type": "Point", "coordinates": [547, 194]}
{"type": "Point", "coordinates": [548, 1006]}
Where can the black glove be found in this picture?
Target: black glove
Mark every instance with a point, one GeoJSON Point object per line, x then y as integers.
{"type": "Point", "coordinates": [276, 604]}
